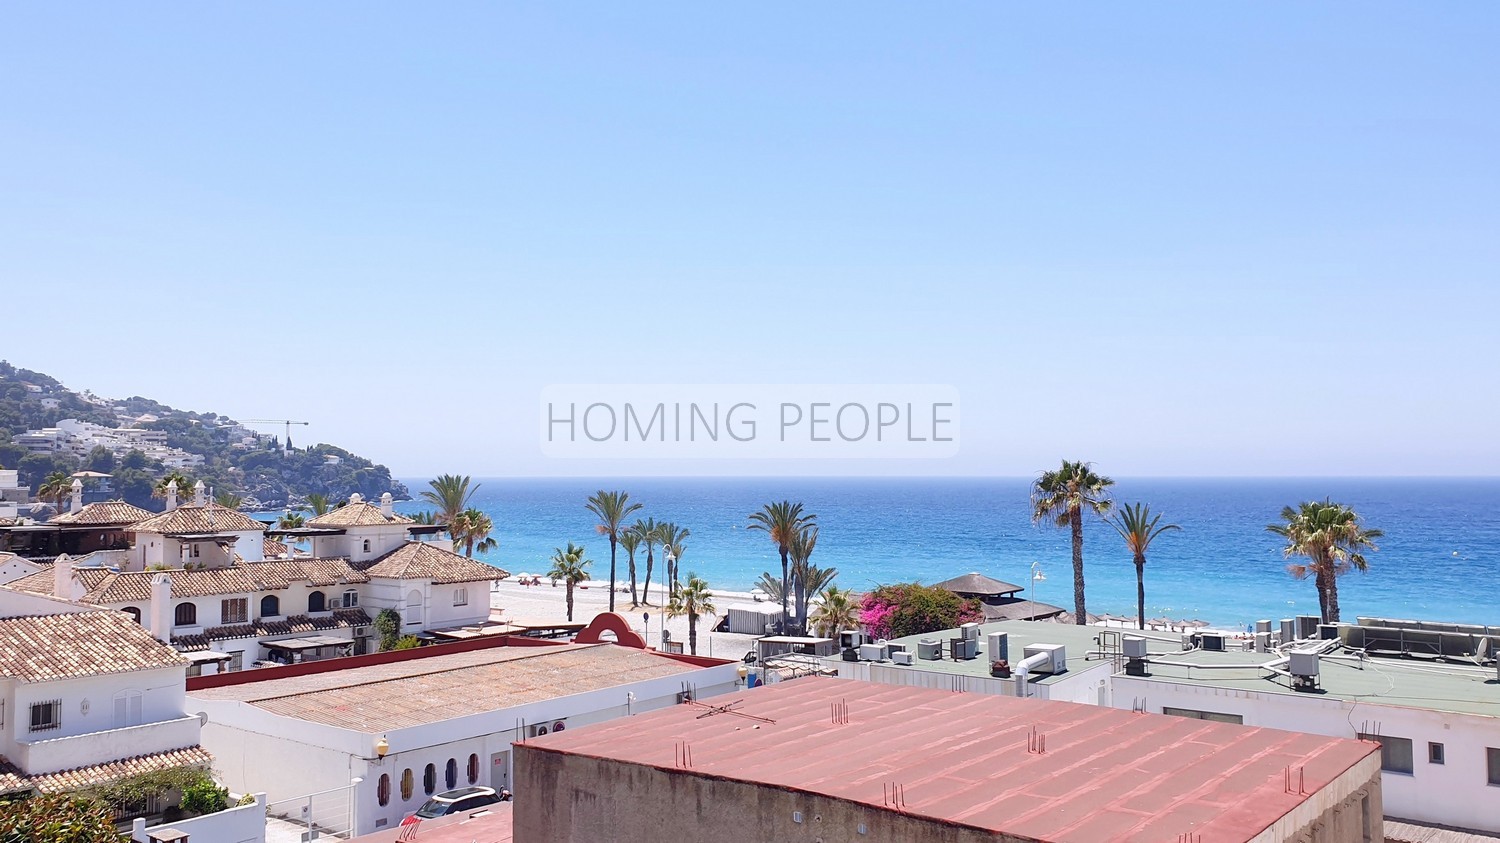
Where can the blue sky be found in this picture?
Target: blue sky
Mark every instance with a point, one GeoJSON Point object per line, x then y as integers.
{"type": "Point", "coordinates": [1176, 239]}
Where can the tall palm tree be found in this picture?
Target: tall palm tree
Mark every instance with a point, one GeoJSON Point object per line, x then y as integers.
{"type": "Point", "coordinates": [426, 516]}
{"type": "Point", "coordinates": [630, 541]}
{"type": "Point", "coordinates": [570, 567]}
{"type": "Point", "coordinates": [836, 611]}
{"type": "Point", "coordinates": [769, 584]}
{"type": "Point", "coordinates": [450, 493]}
{"type": "Point", "coordinates": [1330, 536]}
{"type": "Point", "coordinates": [291, 521]}
{"type": "Point", "coordinates": [649, 534]}
{"type": "Point", "coordinates": [673, 545]}
{"type": "Point", "coordinates": [319, 504]}
{"type": "Point", "coordinates": [611, 508]}
{"type": "Point", "coordinates": [1061, 496]}
{"type": "Point", "coordinates": [694, 600]}
{"type": "Point", "coordinates": [229, 500]}
{"type": "Point", "coordinates": [471, 529]}
{"type": "Point", "coordinates": [55, 488]}
{"type": "Point", "coordinates": [174, 480]}
{"type": "Point", "coordinates": [800, 551]}
{"type": "Point", "coordinates": [1138, 527]}
{"type": "Point", "coordinates": [782, 522]}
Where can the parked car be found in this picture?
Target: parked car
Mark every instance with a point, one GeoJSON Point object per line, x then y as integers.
{"type": "Point", "coordinates": [457, 802]}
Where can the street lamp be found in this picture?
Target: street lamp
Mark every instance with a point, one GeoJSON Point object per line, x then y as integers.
{"type": "Point", "coordinates": [1036, 576]}
{"type": "Point", "coordinates": [671, 580]}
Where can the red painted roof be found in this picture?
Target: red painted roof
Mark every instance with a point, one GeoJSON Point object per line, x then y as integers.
{"type": "Point", "coordinates": [1106, 774]}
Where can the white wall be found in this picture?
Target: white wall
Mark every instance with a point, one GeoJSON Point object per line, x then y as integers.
{"type": "Point", "coordinates": [241, 824]}
{"type": "Point", "coordinates": [1454, 793]}
{"type": "Point", "coordinates": [88, 709]}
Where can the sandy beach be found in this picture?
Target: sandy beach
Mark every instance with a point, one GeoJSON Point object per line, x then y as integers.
{"type": "Point", "coordinates": [547, 604]}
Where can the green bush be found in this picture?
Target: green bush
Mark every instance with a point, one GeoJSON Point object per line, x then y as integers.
{"type": "Point", "coordinates": [407, 642]}
{"type": "Point", "coordinates": [56, 819]}
{"type": "Point", "coordinates": [204, 797]}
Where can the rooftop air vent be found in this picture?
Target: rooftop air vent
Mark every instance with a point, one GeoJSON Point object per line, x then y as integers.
{"type": "Point", "coordinates": [1211, 642]}
{"type": "Point", "coordinates": [1304, 670]}
{"type": "Point", "coordinates": [930, 649]}
{"type": "Point", "coordinates": [1057, 661]}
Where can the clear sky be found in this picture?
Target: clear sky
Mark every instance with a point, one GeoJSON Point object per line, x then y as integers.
{"type": "Point", "coordinates": [1172, 238]}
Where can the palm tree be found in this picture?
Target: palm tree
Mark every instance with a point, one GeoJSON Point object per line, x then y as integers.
{"type": "Point", "coordinates": [836, 611]}
{"type": "Point", "coordinates": [694, 600]}
{"type": "Point", "coordinates": [174, 480]}
{"type": "Point", "coordinates": [229, 500]}
{"type": "Point", "coordinates": [630, 541]}
{"type": "Point", "coordinates": [450, 493]}
{"type": "Point", "coordinates": [782, 522]}
{"type": "Point", "coordinates": [1137, 526]}
{"type": "Point", "coordinates": [55, 488]}
{"type": "Point", "coordinates": [673, 545]}
{"type": "Point", "coordinates": [611, 508]}
{"type": "Point", "coordinates": [570, 567]}
{"type": "Point", "coordinates": [800, 551]}
{"type": "Point", "coordinates": [426, 516]}
{"type": "Point", "coordinates": [649, 534]}
{"type": "Point", "coordinates": [291, 521]}
{"type": "Point", "coordinates": [319, 504]}
{"type": "Point", "coordinates": [471, 529]}
{"type": "Point", "coordinates": [769, 584]}
{"type": "Point", "coordinates": [1061, 496]}
{"type": "Point", "coordinates": [1330, 536]}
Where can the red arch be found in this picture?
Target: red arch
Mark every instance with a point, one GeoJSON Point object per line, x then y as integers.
{"type": "Point", "coordinates": [611, 622]}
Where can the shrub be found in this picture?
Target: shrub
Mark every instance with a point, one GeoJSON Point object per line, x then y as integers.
{"type": "Point", "coordinates": [407, 642]}
{"type": "Point", "coordinates": [896, 611]}
{"type": "Point", "coordinates": [204, 797]}
{"type": "Point", "coordinates": [56, 819]}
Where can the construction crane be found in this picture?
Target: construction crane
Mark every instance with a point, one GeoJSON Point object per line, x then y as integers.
{"type": "Point", "coordinates": [286, 443]}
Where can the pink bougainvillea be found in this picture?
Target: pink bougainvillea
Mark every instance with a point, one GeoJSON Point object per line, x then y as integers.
{"type": "Point", "coordinates": [896, 611]}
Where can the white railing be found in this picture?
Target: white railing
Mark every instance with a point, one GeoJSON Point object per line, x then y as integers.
{"type": "Point", "coordinates": [328, 814]}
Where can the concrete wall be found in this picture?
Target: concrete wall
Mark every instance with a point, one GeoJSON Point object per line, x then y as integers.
{"type": "Point", "coordinates": [1455, 793]}
{"type": "Point", "coordinates": [573, 799]}
{"type": "Point", "coordinates": [88, 710]}
{"type": "Point", "coordinates": [242, 824]}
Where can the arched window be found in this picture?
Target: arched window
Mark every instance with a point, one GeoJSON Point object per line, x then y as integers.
{"type": "Point", "coordinates": [473, 769]}
{"type": "Point", "coordinates": [186, 614]}
{"type": "Point", "coordinates": [134, 613]}
{"type": "Point", "coordinates": [429, 779]}
{"type": "Point", "coordinates": [407, 781]}
{"type": "Point", "coordinates": [316, 602]}
{"type": "Point", "coordinates": [413, 613]}
{"type": "Point", "coordinates": [383, 790]}
{"type": "Point", "coordinates": [450, 774]}
{"type": "Point", "coordinates": [367, 545]}
{"type": "Point", "coordinates": [270, 606]}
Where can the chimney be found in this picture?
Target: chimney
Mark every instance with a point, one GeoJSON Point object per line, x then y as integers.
{"type": "Point", "coordinates": [62, 578]}
{"type": "Point", "coordinates": [356, 498]}
{"type": "Point", "coordinates": [199, 497]}
{"type": "Point", "coordinates": [160, 621]}
{"type": "Point", "coordinates": [75, 501]}
{"type": "Point", "coordinates": [171, 496]}
{"type": "Point", "coordinates": [386, 506]}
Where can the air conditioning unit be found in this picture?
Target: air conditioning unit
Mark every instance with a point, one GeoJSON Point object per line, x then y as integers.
{"type": "Point", "coordinates": [872, 652]}
{"type": "Point", "coordinates": [1304, 670]}
{"type": "Point", "coordinates": [682, 697]}
{"type": "Point", "coordinates": [999, 647]}
{"type": "Point", "coordinates": [1189, 641]}
{"type": "Point", "coordinates": [1288, 630]}
{"type": "Point", "coordinates": [902, 657]}
{"type": "Point", "coordinates": [1057, 658]}
{"type": "Point", "coordinates": [1263, 626]}
{"type": "Point", "coordinates": [851, 638]}
{"type": "Point", "coordinates": [930, 649]}
{"type": "Point", "coordinates": [893, 648]}
{"type": "Point", "coordinates": [537, 730]}
{"type": "Point", "coordinates": [1262, 642]}
{"type": "Point", "coordinates": [1328, 631]}
{"type": "Point", "coordinates": [1134, 647]}
{"type": "Point", "coordinates": [1307, 626]}
{"type": "Point", "coordinates": [969, 631]}
{"type": "Point", "coordinates": [1211, 642]}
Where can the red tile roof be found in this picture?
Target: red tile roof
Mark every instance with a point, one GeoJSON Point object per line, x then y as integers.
{"type": "Point", "coordinates": [422, 560]}
{"type": "Point", "coordinates": [105, 586]}
{"type": "Point", "coordinates": [104, 514]}
{"type": "Point", "coordinates": [357, 514]}
{"type": "Point", "coordinates": [46, 647]}
{"type": "Point", "coordinates": [13, 780]}
{"type": "Point", "coordinates": [211, 518]}
{"type": "Point", "coordinates": [340, 619]}
{"type": "Point", "coordinates": [963, 759]}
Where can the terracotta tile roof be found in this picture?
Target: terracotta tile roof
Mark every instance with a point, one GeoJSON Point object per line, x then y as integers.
{"type": "Point", "coordinates": [357, 514]}
{"type": "Point", "coordinates": [79, 778]}
{"type": "Point", "coordinates": [102, 585]}
{"type": "Point", "coordinates": [199, 519]}
{"type": "Point", "coordinates": [104, 514]}
{"type": "Point", "coordinates": [46, 647]}
{"type": "Point", "coordinates": [422, 560]}
{"type": "Point", "coordinates": [341, 619]}
{"type": "Point", "coordinates": [271, 548]}
{"type": "Point", "coordinates": [378, 698]}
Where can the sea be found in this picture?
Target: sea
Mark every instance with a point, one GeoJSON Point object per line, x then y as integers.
{"type": "Point", "coordinates": [1438, 560]}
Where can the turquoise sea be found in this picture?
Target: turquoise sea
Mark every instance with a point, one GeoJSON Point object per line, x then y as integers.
{"type": "Point", "coordinates": [1439, 558]}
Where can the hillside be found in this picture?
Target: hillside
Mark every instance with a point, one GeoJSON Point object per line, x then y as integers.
{"type": "Point", "coordinates": [138, 441]}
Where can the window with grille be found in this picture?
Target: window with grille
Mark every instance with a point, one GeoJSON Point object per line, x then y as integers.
{"type": "Point", "coordinates": [383, 790]}
{"type": "Point", "coordinates": [429, 779]}
{"type": "Point", "coordinates": [1494, 764]}
{"type": "Point", "coordinates": [235, 610]}
{"type": "Point", "coordinates": [473, 769]}
{"type": "Point", "coordinates": [46, 715]}
{"type": "Point", "coordinates": [408, 781]}
{"type": "Point", "coordinates": [186, 614]}
{"type": "Point", "coordinates": [450, 774]}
